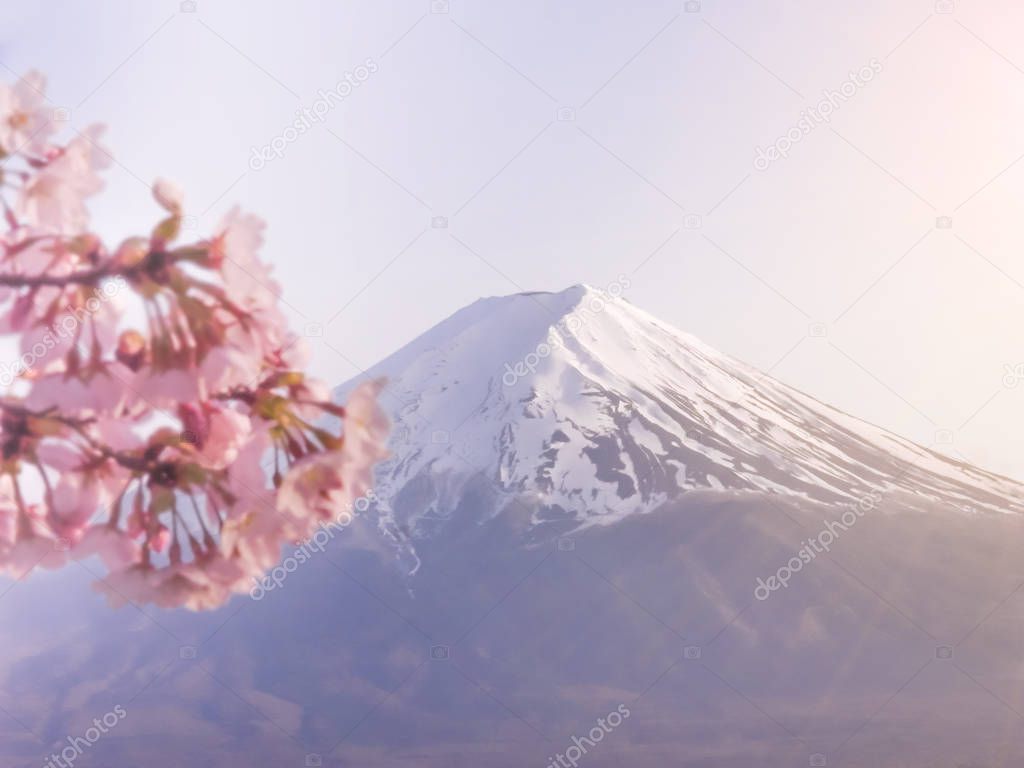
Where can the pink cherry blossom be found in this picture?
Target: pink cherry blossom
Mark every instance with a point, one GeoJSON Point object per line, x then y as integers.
{"type": "Point", "coordinates": [54, 198]}
{"type": "Point", "coordinates": [25, 121]}
{"type": "Point", "coordinates": [104, 391]}
{"type": "Point", "coordinates": [366, 431]}
{"type": "Point", "coordinates": [215, 433]}
{"type": "Point", "coordinates": [114, 547]}
{"type": "Point", "coordinates": [314, 489]}
{"type": "Point", "coordinates": [159, 418]}
{"type": "Point", "coordinates": [75, 499]}
{"type": "Point", "coordinates": [234, 250]}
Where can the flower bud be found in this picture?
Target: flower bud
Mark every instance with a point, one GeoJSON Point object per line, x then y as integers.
{"type": "Point", "coordinates": [132, 350]}
{"type": "Point", "coordinates": [87, 245]}
{"type": "Point", "coordinates": [131, 252]}
{"type": "Point", "coordinates": [169, 196]}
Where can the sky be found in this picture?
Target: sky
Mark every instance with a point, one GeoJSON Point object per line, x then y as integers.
{"type": "Point", "coordinates": [485, 148]}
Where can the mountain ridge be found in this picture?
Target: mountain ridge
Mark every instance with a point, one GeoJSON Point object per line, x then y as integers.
{"type": "Point", "coordinates": [588, 409]}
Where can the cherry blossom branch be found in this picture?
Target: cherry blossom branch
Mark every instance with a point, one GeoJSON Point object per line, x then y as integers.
{"type": "Point", "coordinates": [121, 424]}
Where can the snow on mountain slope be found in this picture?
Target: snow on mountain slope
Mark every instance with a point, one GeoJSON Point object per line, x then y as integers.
{"type": "Point", "coordinates": [589, 410]}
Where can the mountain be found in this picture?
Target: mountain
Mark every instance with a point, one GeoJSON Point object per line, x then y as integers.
{"type": "Point", "coordinates": [587, 512]}
{"type": "Point", "coordinates": [587, 410]}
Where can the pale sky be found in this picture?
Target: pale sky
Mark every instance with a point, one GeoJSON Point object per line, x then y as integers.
{"type": "Point", "coordinates": [461, 120]}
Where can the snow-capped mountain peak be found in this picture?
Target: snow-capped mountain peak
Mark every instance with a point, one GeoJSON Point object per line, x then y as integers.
{"type": "Point", "coordinates": [588, 410]}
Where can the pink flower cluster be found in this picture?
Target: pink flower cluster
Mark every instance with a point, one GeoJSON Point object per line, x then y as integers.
{"type": "Point", "coordinates": [160, 418]}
